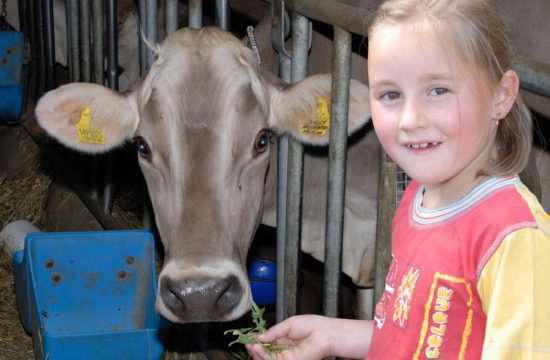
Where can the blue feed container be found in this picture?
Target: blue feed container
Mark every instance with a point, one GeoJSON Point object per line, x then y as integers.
{"type": "Point", "coordinates": [11, 75]}
{"type": "Point", "coordinates": [89, 295]}
{"type": "Point", "coordinates": [262, 276]}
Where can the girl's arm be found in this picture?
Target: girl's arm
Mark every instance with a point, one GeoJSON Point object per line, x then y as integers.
{"type": "Point", "coordinates": [314, 337]}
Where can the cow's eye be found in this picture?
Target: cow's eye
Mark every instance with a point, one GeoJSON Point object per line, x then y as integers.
{"type": "Point", "coordinates": [142, 147]}
{"type": "Point", "coordinates": [262, 141]}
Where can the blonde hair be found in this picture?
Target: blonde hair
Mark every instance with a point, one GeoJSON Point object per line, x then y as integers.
{"type": "Point", "coordinates": [474, 32]}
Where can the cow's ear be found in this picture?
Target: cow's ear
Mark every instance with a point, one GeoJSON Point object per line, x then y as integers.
{"type": "Point", "coordinates": [303, 109]}
{"type": "Point", "coordinates": [87, 117]}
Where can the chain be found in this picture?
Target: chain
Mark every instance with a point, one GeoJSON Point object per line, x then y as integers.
{"type": "Point", "coordinates": [3, 14]}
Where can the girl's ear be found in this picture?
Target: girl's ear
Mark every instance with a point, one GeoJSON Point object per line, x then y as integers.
{"type": "Point", "coordinates": [506, 94]}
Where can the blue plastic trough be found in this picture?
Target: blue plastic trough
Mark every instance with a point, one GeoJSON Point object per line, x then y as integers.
{"type": "Point", "coordinates": [89, 295]}
{"type": "Point", "coordinates": [11, 75]}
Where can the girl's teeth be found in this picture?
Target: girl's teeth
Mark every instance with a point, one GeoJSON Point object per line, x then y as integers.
{"type": "Point", "coordinates": [422, 146]}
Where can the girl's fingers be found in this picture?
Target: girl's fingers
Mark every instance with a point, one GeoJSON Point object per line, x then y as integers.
{"type": "Point", "coordinates": [257, 352]}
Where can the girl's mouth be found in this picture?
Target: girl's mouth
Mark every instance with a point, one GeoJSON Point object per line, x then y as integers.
{"type": "Point", "coordinates": [425, 145]}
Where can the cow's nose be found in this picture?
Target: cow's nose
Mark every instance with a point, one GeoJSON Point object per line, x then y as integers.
{"type": "Point", "coordinates": [202, 298]}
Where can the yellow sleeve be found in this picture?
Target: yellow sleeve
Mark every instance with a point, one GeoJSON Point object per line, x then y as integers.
{"type": "Point", "coordinates": [514, 288]}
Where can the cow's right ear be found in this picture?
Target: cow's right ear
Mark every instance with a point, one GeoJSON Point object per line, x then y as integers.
{"type": "Point", "coordinates": [88, 117]}
{"type": "Point", "coordinates": [303, 109]}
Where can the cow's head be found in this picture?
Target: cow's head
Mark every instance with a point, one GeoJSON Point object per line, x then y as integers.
{"type": "Point", "coordinates": [203, 119]}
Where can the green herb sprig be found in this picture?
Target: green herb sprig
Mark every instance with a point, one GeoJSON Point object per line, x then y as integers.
{"type": "Point", "coordinates": [246, 335]}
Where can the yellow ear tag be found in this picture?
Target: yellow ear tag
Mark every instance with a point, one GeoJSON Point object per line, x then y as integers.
{"type": "Point", "coordinates": [86, 132]}
{"type": "Point", "coordinates": [320, 124]}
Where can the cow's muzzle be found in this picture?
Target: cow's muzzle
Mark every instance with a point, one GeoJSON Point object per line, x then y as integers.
{"type": "Point", "coordinates": [201, 298]}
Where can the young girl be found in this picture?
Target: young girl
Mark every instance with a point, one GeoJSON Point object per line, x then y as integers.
{"type": "Point", "coordinates": [470, 275]}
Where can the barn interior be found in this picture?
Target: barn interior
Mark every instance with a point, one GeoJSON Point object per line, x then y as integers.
{"type": "Point", "coordinates": [57, 189]}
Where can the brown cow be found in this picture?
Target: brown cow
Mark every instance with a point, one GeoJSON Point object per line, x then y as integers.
{"type": "Point", "coordinates": [203, 119]}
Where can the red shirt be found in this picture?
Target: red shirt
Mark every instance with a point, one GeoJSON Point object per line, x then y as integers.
{"type": "Point", "coordinates": [431, 307]}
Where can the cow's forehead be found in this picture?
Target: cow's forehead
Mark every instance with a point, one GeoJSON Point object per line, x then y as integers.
{"type": "Point", "coordinates": [200, 74]}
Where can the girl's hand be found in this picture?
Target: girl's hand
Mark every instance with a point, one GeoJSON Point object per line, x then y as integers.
{"type": "Point", "coordinates": [301, 337]}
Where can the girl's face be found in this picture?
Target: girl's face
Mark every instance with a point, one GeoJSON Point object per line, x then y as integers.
{"type": "Point", "coordinates": [432, 116]}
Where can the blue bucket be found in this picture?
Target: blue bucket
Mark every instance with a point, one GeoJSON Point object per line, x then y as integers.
{"type": "Point", "coordinates": [11, 75]}
{"type": "Point", "coordinates": [89, 295]}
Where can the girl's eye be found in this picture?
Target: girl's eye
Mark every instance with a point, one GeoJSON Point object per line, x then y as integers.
{"type": "Point", "coordinates": [439, 91]}
{"type": "Point", "coordinates": [390, 96]}
{"type": "Point", "coordinates": [142, 148]}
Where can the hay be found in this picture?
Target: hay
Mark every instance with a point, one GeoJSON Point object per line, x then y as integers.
{"type": "Point", "coordinates": [15, 343]}
{"type": "Point", "coordinates": [23, 198]}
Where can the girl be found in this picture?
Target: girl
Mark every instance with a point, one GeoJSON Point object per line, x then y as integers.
{"type": "Point", "coordinates": [470, 275]}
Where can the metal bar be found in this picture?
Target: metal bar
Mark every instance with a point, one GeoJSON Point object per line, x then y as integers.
{"type": "Point", "coordinates": [335, 13]}
{"type": "Point", "coordinates": [282, 170]}
{"type": "Point", "coordinates": [195, 14]}
{"type": "Point", "coordinates": [222, 14]}
{"type": "Point", "coordinates": [49, 48]}
{"type": "Point", "coordinates": [300, 42]}
{"type": "Point", "coordinates": [97, 15]}
{"type": "Point", "coordinates": [171, 16]}
{"type": "Point", "coordinates": [73, 21]}
{"type": "Point", "coordinates": [279, 26]}
{"type": "Point", "coordinates": [112, 44]}
{"type": "Point", "coordinates": [39, 19]}
{"type": "Point", "coordinates": [112, 68]}
{"type": "Point", "coordinates": [151, 26]}
{"type": "Point", "coordinates": [386, 208]}
{"type": "Point", "coordinates": [341, 72]}
{"type": "Point", "coordinates": [534, 76]}
{"type": "Point", "coordinates": [22, 12]}
{"type": "Point", "coordinates": [85, 56]}
{"type": "Point", "coordinates": [142, 29]}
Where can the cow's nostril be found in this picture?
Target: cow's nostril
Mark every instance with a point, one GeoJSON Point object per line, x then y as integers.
{"type": "Point", "coordinates": [230, 296]}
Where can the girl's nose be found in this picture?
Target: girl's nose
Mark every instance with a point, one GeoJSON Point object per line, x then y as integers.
{"type": "Point", "coordinates": [411, 117]}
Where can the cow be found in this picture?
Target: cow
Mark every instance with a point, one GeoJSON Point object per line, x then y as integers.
{"type": "Point", "coordinates": [203, 120]}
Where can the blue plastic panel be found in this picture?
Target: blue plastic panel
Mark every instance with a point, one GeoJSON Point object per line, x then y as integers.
{"type": "Point", "coordinates": [11, 75]}
{"type": "Point", "coordinates": [89, 295]}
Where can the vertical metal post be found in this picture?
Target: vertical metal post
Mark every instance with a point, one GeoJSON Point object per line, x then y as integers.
{"type": "Point", "coordinates": [143, 28]}
{"type": "Point", "coordinates": [300, 47]}
{"type": "Point", "coordinates": [97, 15]}
{"type": "Point", "coordinates": [195, 14]}
{"type": "Point", "coordinates": [112, 69]}
{"type": "Point", "coordinates": [151, 23]}
{"type": "Point", "coordinates": [386, 208]}
{"type": "Point", "coordinates": [222, 14]}
{"type": "Point", "coordinates": [282, 170]}
{"type": "Point", "coordinates": [85, 57]}
{"type": "Point", "coordinates": [73, 21]}
{"type": "Point", "coordinates": [39, 19]}
{"type": "Point", "coordinates": [171, 16]}
{"type": "Point", "coordinates": [341, 71]}
{"type": "Point", "coordinates": [49, 42]}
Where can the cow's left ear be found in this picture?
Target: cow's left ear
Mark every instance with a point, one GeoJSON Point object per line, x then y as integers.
{"type": "Point", "coordinates": [303, 109]}
{"type": "Point", "coordinates": [88, 117]}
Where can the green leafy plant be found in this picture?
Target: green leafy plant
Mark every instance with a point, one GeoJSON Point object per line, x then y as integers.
{"type": "Point", "coordinates": [247, 335]}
